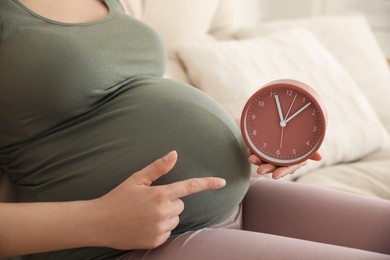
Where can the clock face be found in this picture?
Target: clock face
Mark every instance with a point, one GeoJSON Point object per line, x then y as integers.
{"type": "Point", "coordinates": [284, 122]}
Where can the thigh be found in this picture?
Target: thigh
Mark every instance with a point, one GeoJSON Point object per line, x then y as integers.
{"type": "Point", "coordinates": [317, 214]}
{"type": "Point", "coordinates": [226, 244]}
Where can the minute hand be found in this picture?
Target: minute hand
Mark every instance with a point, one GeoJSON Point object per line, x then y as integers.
{"type": "Point", "coordinates": [296, 113]}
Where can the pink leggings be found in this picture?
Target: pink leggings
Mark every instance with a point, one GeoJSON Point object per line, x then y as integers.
{"type": "Point", "coordinates": [283, 220]}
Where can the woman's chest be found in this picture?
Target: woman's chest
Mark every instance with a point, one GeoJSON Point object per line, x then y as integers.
{"type": "Point", "coordinates": [50, 73]}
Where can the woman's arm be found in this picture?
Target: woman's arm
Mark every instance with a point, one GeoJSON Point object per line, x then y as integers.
{"type": "Point", "coordinates": [39, 227]}
{"type": "Point", "coordinates": [135, 215]}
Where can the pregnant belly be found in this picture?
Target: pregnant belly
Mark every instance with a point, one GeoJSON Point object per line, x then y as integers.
{"type": "Point", "coordinates": [88, 159]}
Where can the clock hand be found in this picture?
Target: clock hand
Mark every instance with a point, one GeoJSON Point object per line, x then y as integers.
{"type": "Point", "coordinates": [281, 138]}
{"type": "Point", "coordinates": [292, 103]}
{"type": "Point", "coordinates": [299, 111]}
{"type": "Point", "coordinates": [279, 108]}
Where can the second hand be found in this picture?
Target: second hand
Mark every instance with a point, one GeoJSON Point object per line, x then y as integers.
{"type": "Point", "coordinates": [281, 138]}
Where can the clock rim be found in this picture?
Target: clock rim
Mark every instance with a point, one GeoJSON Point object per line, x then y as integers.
{"type": "Point", "coordinates": [298, 86]}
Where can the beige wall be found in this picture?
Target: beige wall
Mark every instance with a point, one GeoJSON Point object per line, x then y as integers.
{"type": "Point", "coordinates": [254, 11]}
{"type": "Point", "coordinates": [251, 12]}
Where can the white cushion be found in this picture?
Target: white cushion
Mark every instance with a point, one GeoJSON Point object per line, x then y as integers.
{"type": "Point", "coordinates": [351, 41]}
{"type": "Point", "coordinates": [174, 70]}
{"type": "Point", "coordinates": [182, 21]}
{"type": "Point", "coordinates": [231, 71]}
{"type": "Point", "coordinates": [178, 21]}
{"type": "Point", "coordinates": [368, 177]}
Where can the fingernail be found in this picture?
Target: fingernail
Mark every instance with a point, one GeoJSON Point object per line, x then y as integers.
{"type": "Point", "coordinates": [281, 174]}
{"type": "Point", "coordinates": [276, 177]}
{"type": "Point", "coordinates": [252, 161]}
{"type": "Point", "coordinates": [219, 183]}
{"type": "Point", "coordinates": [169, 156]}
{"type": "Point", "coordinates": [263, 169]}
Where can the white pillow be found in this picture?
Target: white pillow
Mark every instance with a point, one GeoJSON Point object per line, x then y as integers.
{"type": "Point", "coordinates": [178, 21]}
{"type": "Point", "coordinates": [231, 71]}
{"type": "Point", "coordinates": [182, 21]}
{"type": "Point", "coordinates": [350, 39]}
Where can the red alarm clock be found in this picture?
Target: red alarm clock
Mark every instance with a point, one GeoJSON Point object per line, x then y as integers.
{"type": "Point", "coordinates": [284, 122]}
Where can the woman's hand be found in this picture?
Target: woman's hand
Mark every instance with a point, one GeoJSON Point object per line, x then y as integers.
{"type": "Point", "coordinates": [136, 215]}
{"type": "Point", "coordinates": [277, 172]}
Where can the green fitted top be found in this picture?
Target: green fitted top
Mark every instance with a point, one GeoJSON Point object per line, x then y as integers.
{"type": "Point", "coordinates": [83, 106]}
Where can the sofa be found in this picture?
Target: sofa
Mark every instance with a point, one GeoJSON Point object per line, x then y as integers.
{"type": "Point", "coordinates": [336, 55]}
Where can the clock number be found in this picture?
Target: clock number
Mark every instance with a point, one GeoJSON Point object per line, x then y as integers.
{"type": "Point", "coordinates": [303, 99]}
{"type": "Point", "coordinates": [289, 92]}
{"type": "Point", "coordinates": [314, 128]}
{"type": "Point", "coordinates": [272, 94]}
{"type": "Point", "coordinates": [253, 117]}
{"type": "Point", "coordinates": [264, 145]}
{"type": "Point", "coordinates": [308, 143]}
{"type": "Point", "coordinates": [294, 151]}
{"type": "Point", "coordinates": [260, 103]}
{"type": "Point", "coordinates": [278, 152]}
{"type": "Point", "coordinates": [313, 113]}
{"type": "Point", "coordinates": [254, 132]}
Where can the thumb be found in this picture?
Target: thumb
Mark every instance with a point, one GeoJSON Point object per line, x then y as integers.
{"type": "Point", "coordinates": [156, 169]}
{"type": "Point", "coordinates": [316, 157]}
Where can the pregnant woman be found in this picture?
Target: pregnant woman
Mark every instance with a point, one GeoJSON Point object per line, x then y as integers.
{"type": "Point", "coordinates": [85, 115]}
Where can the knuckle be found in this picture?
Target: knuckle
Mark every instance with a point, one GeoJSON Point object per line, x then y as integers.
{"type": "Point", "coordinates": [212, 184]}
{"type": "Point", "coordinates": [160, 166]}
{"type": "Point", "coordinates": [177, 221]}
{"type": "Point", "coordinates": [180, 205]}
{"type": "Point", "coordinates": [160, 228]}
{"type": "Point", "coordinates": [192, 186]}
{"type": "Point", "coordinates": [159, 215]}
{"type": "Point", "coordinates": [160, 195]}
{"type": "Point", "coordinates": [158, 240]}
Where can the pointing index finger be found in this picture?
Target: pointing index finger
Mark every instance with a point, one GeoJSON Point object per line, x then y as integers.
{"type": "Point", "coordinates": [190, 186]}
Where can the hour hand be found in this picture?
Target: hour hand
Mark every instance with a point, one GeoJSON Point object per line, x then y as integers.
{"type": "Point", "coordinates": [279, 108]}
{"type": "Point", "coordinates": [299, 111]}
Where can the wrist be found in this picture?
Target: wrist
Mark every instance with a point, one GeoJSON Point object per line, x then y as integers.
{"type": "Point", "coordinates": [94, 219]}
